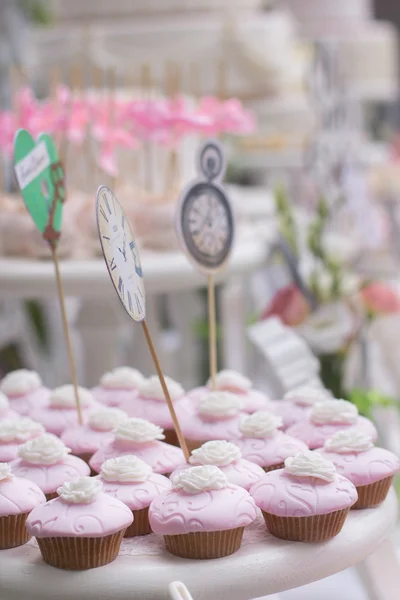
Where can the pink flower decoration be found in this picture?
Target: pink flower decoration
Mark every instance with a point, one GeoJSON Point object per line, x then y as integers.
{"type": "Point", "coordinates": [226, 117]}
{"type": "Point", "coordinates": [379, 298]}
{"type": "Point", "coordinates": [289, 305]}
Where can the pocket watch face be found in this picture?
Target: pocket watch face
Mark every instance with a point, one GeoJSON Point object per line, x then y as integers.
{"type": "Point", "coordinates": [120, 253]}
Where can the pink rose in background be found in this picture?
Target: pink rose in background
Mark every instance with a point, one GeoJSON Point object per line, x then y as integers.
{"type": "Point", "coordinates": [289, 305]}
{"type": "Point", "coordinates": [380, 298]}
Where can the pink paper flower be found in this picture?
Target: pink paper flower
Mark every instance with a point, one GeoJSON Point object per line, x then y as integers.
{"type": "Point", "coordinates": [289, 305]}
{"type": "Point", "coordinates": [380, 298]}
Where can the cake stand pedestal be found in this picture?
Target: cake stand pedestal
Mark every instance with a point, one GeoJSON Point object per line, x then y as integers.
{"type": "Point", "coordinates": [264, 565]}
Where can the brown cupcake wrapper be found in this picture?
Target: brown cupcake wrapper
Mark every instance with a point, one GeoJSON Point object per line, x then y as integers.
{"type": "Point", "coordinates": [274, 467]}
{"type": "Point", "coordinates": [140, 525]}
{"type": "Point", "coordinates": [13, 532]}
{"type": "Point", "coordinates": [316, 528]}
{"type": "Point", "coordinates": [86, 456]}
{"type": "Point", "coordinates": [373, 494]}
{"type": "Point", "coordinates": [205, 544]}
{"type": "Point", "coordinates": [171, 437]}
{"type": "Point", "coordinates": [80, 553]}
{"type": "Point", "coordinates": [51, 496]}
{"type": "Point", "coordinates": [193, 444]}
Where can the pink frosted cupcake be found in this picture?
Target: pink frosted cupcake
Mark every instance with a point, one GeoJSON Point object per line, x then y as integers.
{"type": "Point", "coordinates": [17, 498]}
{"type": "Point", "coordinates": [307, 501]}
{"type": "Point", "coordinates": [60, 410]}
{"type": "Point", "coordinates": [228, 458]}
{"type": "Point", "coordinates": [143, 439]}
{"type": "Point", "coordinates": [369, 468]}
{"type": "Point", "coordinates": [132, 481]}
{"type": "Point", "coordinates": [217, 417]}
{"type": "Point", "coordinates": [262, 443]}
{"type": "Point", "coordinates": [13, 433]}
{"type": "Point", "coordinates": [45, 460]}
{"type": "Point", "coordinates": [297, 404]}
{"type": "Point", "coordinates": [5, 411]}
{"type": "Point", "coordinates": [24, 390]}
{"type": "Point", "coordinates": [231, 381]}
{"type": "Point", "coordinates": [85, 440]}
{"type": "Point", "coordinates": [118, 387]}
{"type": "Point", "coordinates": [150, 404]}
{"type": "Point", "coordinates": [328, 417]}
{"type": "Point", "coordinates": [82, 528]}
{"type": "Point", "coordinates": [203, 516]}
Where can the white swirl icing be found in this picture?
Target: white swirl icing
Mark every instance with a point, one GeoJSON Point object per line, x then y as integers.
{"type": "Point", "coordinates": [19, 430]}
{"type": "Point", "coordinates": [106, 419]}
{"type": "Point", "coordinates": [80, 491]}
{"type": "Point", "coordinates": [340, 412]}
{"type": "Point", "coordinates": [200, 479]}
{"type": "Point", "coordinates": [219, 405]}
{"type": "Point", "coordinates": [307, 395]}
{"type": "Point", "coordinates": [218, 453]}
{"type": "Point", "coordinates": [122, 377]}
{"type": "Point", "coordinates": [151, 388]}
{"type": "Point", "coordinates": [21, 381]}
{"type": "Point", "coordinates": [231, 381]}
{"type": "Point", "coordinates": [5, 472]}
{"type": "Point", "coordinates": [64, 397]}
{"type": "Point", "coordinates": [47, 449]}
{"type": "Point", "coordinates": [4, 403]}
{"type": "Point", "coordinates": [139, 431]}
{"type": "Point", "coordinates": [125, 469]}
{"type": "Point", "coordinates": [310, 464]}
{"type": "Point", "coordinates": [261, 424]}
{"type": "Point", "coordinates": [348, 441]}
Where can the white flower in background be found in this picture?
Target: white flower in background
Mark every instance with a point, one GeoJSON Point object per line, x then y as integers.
{"type": "Point", "coordinates": [328, 328]}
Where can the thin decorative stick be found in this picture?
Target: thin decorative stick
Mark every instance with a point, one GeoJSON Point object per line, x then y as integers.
{"type": "Point", "coordinates": [212, 334]}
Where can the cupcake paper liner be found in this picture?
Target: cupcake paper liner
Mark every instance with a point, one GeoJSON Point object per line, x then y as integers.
{"type": "Point", "coordinates": [171, 437]}
{"type": "Point", "coordinates": [373, 494]}
{"type": "Point", "coordinates": [140, 525]}
{"type": "Point", "coordinates": [80, 553]}
{"type": "Point", "coordinates": [274, 467]}
{"type": "Point", "coordinates": [13, 532]}
{"type": "Point", "coordinates": [205, 544]}
{"type": "Point", "coordinates": [51, 496]}
{"type": "Point", "coordinates": [194, 444]}
{"type": "Point", "coordinates": [316, 528]}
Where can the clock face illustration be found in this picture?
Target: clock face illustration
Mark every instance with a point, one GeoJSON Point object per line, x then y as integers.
{"type": "Point", "coordinates": [120, 253]}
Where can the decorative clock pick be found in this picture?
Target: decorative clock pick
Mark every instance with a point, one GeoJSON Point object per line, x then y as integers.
{"type": "Point", "coordinates": [40, 176]}
{"type": "Point", "coordinates": [122, 259]}
{"type": "Point", "coordinates": [205, 228]}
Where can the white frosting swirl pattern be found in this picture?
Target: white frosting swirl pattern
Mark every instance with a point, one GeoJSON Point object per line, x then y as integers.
{"type": "Point", "coordinates": [122, 378]}
{"type": "Point", "coordinates": [218, 453]}
{"type": "Point", "coordinates": [19, 430]}
{"type": "Point", "coordinates": [125, 469]}
{"type": "Point", "coordinates": [151, 388]}
{"type": "Point", "coordinates": [261, 424]}
{"type": "Point", "coordinates": [47, 449]}
{"type": "Point", "coordinates": [106, 419]}
{"type": "Point", "coordinates": [64, 397]}
{"type": "Point", "coordinates": [139, 431]}
{"type": "Point", "coordinates": [310, 464]}
{"type": "Point", "coordinates": [80, 491]}
{"type": "Point", "coordinates": [334, 412]}
{"type": "Point", "coordinates": [349, 441]}
{"type": "Point", "coordinates": [200, 479]}
{"type": "Point", "coordinates": [307, 395]}
{"type": "Point", "coordinates": [231, 381]}
{"type": "Point", "coordinates": [5, 471]}
{"type": "Point", "coordinates": [19, 382]}
{"type": "Point", "coordinates": [4, 403]}
{"type": "Point", "coordinates": [219, 405]}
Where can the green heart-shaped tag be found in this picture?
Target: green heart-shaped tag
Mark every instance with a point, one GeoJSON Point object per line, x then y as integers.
{"type": "Point", "coordinates": [40, 176]}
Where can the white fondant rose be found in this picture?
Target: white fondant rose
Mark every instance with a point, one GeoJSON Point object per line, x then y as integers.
{"type": "Point", "coordinates": [47, 449]}
{"type": "Point", "coordinates": [64, 397]}
{"type": "Point", "coordinates": [335, 412]}
{"type": "Point", "coordinates": [4, 403]}
{"type": "Point", "coordinates": [122, 377]}
{"type": "Point", "coordinates": [307, 395]}
{"type": "Point", "coordinates": [200, 479]}
{"type": "Point", "coordinates": [151, 388]}
{"type": "Point", "coordinates": [219, 405]}
{"type": "Point", "coordinates": [348, 441]}
{"type": "Point", "coordinates": [231, 381]}
{"type": "Point", "coordinates": [125, 469]}
{"type": "Point", "coordinates": [139, 431]}
{"type": "Point", "coordinates": [106, 419]}
{"type": "Point", "coordinates": [218, 453]}
{"type": "Point", "coordinates": [19, 430]}
{"type": "Point", "coordinates": [310, 464]}
{"type": "Point", "coordinates": [80, 491]}
{"type": "Point", "coordinates": [261, 424]}
{"type": "Point", "coordinates": [5, 471]}
{"type": "Point", "coordinates": [20, 382]}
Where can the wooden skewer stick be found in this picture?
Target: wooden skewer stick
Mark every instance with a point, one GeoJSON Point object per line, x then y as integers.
{"type": "Point", "coordinates": [212, 334]}
{"type": "Point", "coordinates": [66, 331]}
{"type": "Point", "coordinates": [160, 374]}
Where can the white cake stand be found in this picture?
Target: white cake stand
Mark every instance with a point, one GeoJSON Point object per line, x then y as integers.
{"type": "Point", "coordinates": [264, 565]}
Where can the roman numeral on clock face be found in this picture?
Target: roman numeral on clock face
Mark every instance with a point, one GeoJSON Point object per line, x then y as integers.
{"type": "Point", "coordinates": [113, 265]}
{"type": "Point", "coordinates": [103, 213]}
{"type": "Point", "coordinates": [121, 287]}
{"type": "Point", "coordinates": [106, 203]}
{"type": "Point", "coordinates": [130, 302]}
{"type": "Point", "coordinates": [138, 304]}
